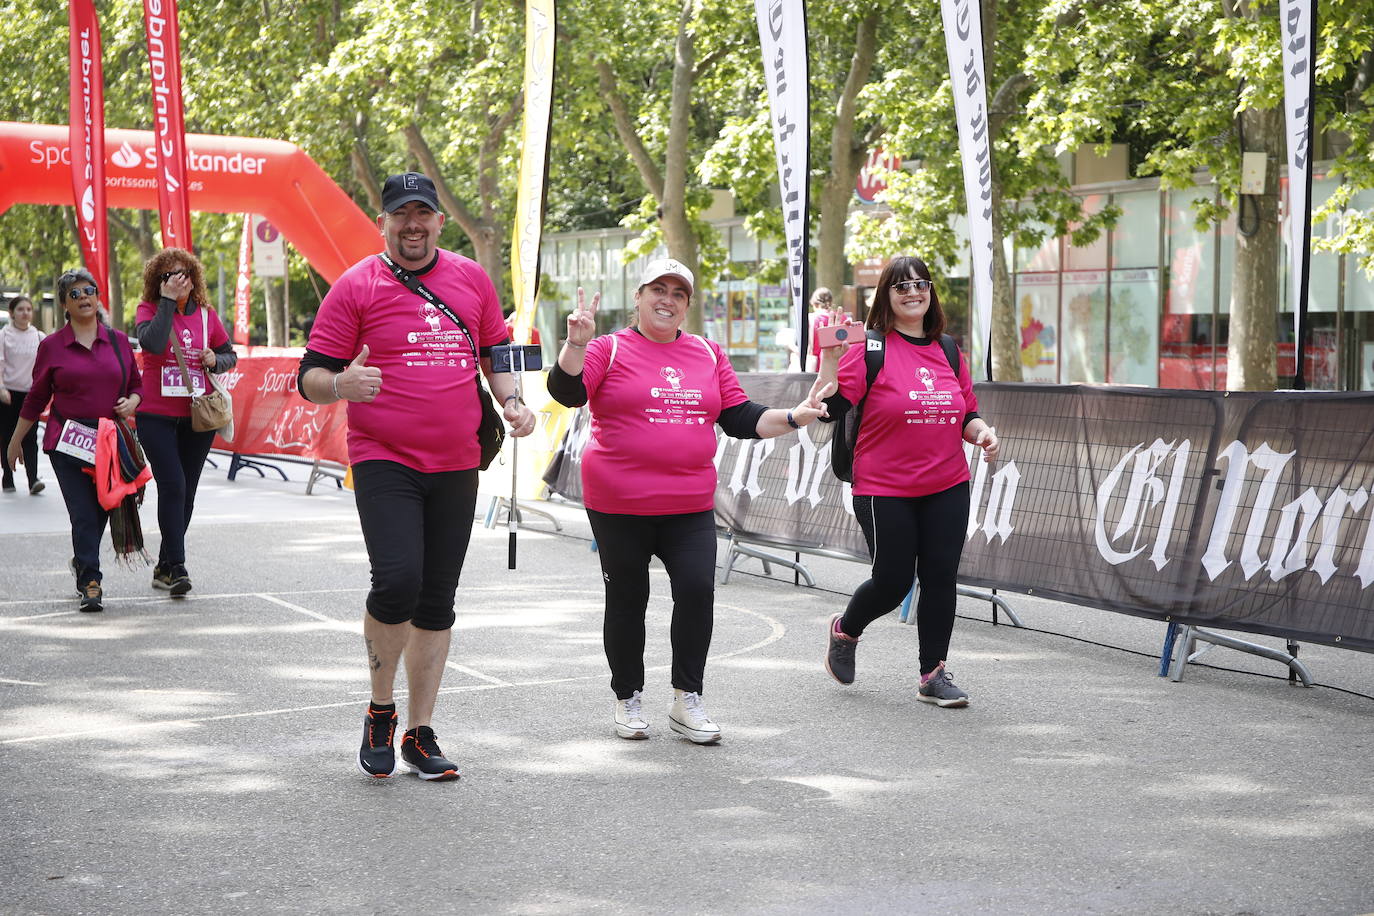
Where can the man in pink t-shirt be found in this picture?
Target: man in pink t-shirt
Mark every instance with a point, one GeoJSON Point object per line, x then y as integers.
{"type": "Point", "coordinates": [408, 371]}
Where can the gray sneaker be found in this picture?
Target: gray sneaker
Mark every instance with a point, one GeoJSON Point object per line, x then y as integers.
{"type": "Point", "coordinates": [839, 653]}
{"type": "Point", "coordinates": [938, 688]}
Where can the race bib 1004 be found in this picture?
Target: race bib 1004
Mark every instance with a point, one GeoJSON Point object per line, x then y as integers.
{"type": "Point", "coordinates": [77, 440]}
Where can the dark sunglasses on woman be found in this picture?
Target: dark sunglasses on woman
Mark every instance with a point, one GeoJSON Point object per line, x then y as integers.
{"type": "Point", "coordinates": [906, 286]}
{"type": "Point", "coordinates": [76, 292]}
{"type": "Point", "coordinates": [174, 273]}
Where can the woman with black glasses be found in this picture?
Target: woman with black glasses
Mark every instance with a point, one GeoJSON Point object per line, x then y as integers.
{"type": "Point", "coordinates": [911, 474]}
{"type": "Point", "coordinates": [87, 370]}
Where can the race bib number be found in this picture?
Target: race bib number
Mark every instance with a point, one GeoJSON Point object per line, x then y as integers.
{"type": "Point", "coordinates": [77, 440]}
{"type": "Point", "coordinates": [174, 387]}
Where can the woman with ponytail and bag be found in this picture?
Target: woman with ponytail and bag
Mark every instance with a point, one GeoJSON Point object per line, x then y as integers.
{"type": "Point", "coordinates": [176, 327]}
{"type": "Point", "coordinates": [87, 370]}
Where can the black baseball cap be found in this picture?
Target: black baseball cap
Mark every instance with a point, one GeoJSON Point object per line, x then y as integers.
{"type": "Point", "coordinates": [400, 190]}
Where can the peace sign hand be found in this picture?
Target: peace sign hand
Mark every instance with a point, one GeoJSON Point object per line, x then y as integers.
{"type": "Point", "coordinates": [582, 320]}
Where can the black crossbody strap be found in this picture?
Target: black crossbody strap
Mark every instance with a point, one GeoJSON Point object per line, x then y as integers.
{"type": "Point", "coordinates": [412, 283]}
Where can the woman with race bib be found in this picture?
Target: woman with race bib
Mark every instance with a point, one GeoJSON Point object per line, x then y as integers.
{"type": "Point", "coordinates": [175, 313]}
{"type": "Point", "coordinates": [87, 370]}
{"type": "Point", "coordinates": [911, 477]}
{"type": "Point", "coordinates": [656, 395]}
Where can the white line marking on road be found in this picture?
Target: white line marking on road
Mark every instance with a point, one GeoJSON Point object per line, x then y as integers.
{"type": "Point", "coordinates": [4, 620]}
{"type": "Point", "coordinates": [473, 672]}
{"type": "Point", "coordinates": [6, 680]}
{"type": "Point", "coordinates": [357, 628]}
{"type": "Point", "coordinates": [777, 630]}
{"type": "Point", "coordinates": [323, 618]}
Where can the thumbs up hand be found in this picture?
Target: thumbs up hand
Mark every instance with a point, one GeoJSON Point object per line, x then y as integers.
{"type": "Point", "coordinates": [359, 382]}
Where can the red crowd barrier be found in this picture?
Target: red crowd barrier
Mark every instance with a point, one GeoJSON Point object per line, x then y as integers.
{"type": "Point", "coordinates": [271, 418]}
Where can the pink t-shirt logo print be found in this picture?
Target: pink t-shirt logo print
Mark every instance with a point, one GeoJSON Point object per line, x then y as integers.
{"type": "Point", "coordinates": [431, 315]}
{"type": "Point", "coordinates": [927, 378]}
{"type": "Point", "coordinates": [672, 376]}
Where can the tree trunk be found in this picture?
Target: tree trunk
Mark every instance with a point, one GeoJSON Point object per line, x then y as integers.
{"type": "Point", "coordinates": [276, 313]}
{"type": "Point", "coordinates": [677, 227]}
{"type": "Point", "coordinates": [846, 158]}
{"type": "Point", "coordinates": [1006, 328]}
{"type": "Point", "coordinates": [1251, 354]}
{"type": "Point", "coordinates": [486, 236]}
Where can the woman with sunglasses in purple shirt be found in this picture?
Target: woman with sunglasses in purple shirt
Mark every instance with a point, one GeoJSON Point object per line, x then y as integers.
{"type": "Point", "coordinates": [87, 371]}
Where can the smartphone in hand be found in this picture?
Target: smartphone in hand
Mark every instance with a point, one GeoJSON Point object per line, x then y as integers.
{"type": "Point", "coordinates": [833, 335]}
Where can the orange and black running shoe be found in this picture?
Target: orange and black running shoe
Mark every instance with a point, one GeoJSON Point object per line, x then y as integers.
{"type": "Point", "coordinates": [377, 757]}
{"type": "Point", "coordinates": [422, 755]}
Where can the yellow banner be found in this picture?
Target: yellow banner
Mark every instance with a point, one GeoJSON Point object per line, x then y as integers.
{"type": "Point", "coordinates": [534, 159]}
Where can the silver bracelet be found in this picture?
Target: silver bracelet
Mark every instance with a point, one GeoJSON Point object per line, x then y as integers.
{"type": "Point", "coordinates": [575, 346]}
{"type": "Point", "coordinates": [334, 384]}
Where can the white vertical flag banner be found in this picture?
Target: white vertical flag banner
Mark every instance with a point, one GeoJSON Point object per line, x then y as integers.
{"type": "Point", "coordinates": [782, 35]}
{"type": "Point", "coordinates": [964, 43]}
{"type": "Point", "coordinates": [1297, 31]}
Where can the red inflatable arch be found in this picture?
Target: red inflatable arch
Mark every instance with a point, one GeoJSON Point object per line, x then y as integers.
{"type": "Point", "coordinates": [226, 174]}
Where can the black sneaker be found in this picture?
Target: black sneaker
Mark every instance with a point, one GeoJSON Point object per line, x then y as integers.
{"type": "Point", "coordinates": [938, 688]}
{"type": "Point", "coordinates": [839, 657]}
{"type": "Point", "coordinates": [92, 597]}
{"type": "Point", "coordinates": [37, 487]}
{"type": "Point", "coordinates": [422, 755]}
{"type": "Point", "coordinates": [172, 579]}
{"type": "Point", "coordinates": [377, 757]}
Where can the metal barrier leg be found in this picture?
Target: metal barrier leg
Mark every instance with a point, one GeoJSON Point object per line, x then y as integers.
{"type": "Point", "coordinates": [750, 550]}
{"type": "Point", "coordinates": [905, 616]}
{"type": "Point", "coordinates": [1166, 654]}
{"type": "Point", "coordinates": [1183, 649]}
{"type": "Point", "coordinates": [997, 601]}
{"type": "Point", "coordinates": [1197, 634]}
{"type": "Point", "coordinates": [500, 502]}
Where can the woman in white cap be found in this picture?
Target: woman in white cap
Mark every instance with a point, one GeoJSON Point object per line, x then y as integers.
{"type": "Point", "coordinates": [649, 478]}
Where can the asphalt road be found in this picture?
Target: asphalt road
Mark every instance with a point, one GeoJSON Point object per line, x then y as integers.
{"type": "Point", "coordinates": [196, 755]}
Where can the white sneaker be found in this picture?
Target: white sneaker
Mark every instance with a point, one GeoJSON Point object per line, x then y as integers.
{"type": "Point", "coordinates": [629, 717]}
{"type": "Point", "coordinates": [688, 718]}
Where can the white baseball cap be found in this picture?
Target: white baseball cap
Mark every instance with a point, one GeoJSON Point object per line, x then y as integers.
{"type": "Point", "coordinates": [664, 267]}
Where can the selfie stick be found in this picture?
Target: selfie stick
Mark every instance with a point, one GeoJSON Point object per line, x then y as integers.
{"type": "Point", "coordinates": [516, 371]}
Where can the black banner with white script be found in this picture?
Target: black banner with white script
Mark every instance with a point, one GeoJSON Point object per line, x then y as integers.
{"type": "Point", "coordinates": [1246, 511]}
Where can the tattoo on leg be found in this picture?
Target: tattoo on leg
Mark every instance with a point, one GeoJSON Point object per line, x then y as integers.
{"type": "Point", "coordinates": [373, 661]}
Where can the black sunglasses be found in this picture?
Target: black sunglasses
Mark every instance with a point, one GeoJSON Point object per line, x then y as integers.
{"type": "Point", "coordinates": [174, 273]}
{"type": "Point", "coordinates": [906, 286]}
{"type": "Point", "coordinates": [76, 292]}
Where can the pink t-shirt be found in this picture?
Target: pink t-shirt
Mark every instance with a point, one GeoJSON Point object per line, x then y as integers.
{"type": "Point", "coordinates": [654, 407]}
{"type": "Point", "coordinates": [161, 375]}
{"type": "Point", "coordinates": [911, 437]}
{"type": "Point", "coordinates": [427, 413]}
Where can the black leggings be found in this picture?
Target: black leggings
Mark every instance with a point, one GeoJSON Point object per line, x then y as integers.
{"type": "Point", "coordinates": [416, 527]}
{"type": "Point", "coordinates": [924, 534]}
{"type": "Point", "coordinates": [687, 546]}
{"type": "Point", "coordinates": [176, 454]}
{"type": "Point", "coordinates": [9, 419]}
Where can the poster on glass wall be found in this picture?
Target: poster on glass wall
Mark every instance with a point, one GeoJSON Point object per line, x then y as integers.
{"type": "Point", "coordinates": [1037, 304]}
{"type": "Point", "coordinates": [775, 320]}
{"type": "Point", "coordinates": [1085, 326]}
{"type": "Point", "coordinates": [1134, 347]}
